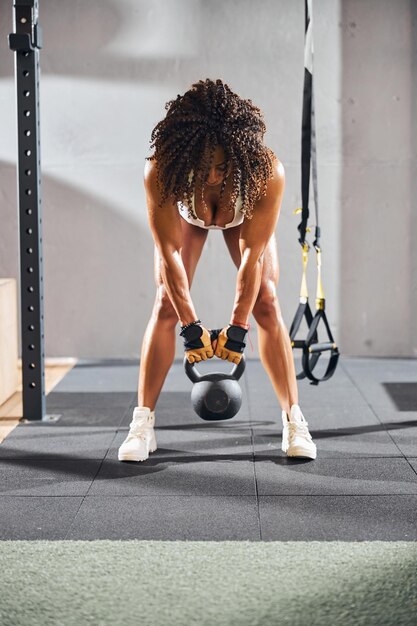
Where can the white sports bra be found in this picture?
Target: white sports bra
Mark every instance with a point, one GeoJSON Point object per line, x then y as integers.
{"type": "Point", "coordinates": [183, 211]}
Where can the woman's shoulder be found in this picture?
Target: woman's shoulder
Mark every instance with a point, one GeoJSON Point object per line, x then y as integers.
{"type": "Point", "coordinates": [149, 170]}
{"type": "Point", "coordinates": [150, 181]}
{"type": "Point", "coordinates": [150, 178]}
{"type": "Point", "coordinates": [277, 165]}
{"type": "Point", "coordinates": [277, 180]}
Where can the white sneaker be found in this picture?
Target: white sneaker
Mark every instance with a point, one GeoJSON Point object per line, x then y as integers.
{"type": "Point", "coordinates": [141, 438]}
{"type": "Point", "coordinates": [296, 440]}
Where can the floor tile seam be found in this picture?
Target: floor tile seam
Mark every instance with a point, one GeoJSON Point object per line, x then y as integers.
{"type": "Point", "coordinates": [356, 457]}
{"type": "Point", "coordinates": [248, 396]}
{"type": "Point", "coordinates": [256, 458]}
{"type": "Point", "coordinates": [47, 483]}
{"type": "Point", "coordinates": [41, 455]}
{"type": "Point", "coordinates": [338, 495]}
{"type": "Point", "coordinates": [353, 456]}
{"type": "Point", "coordinates": [144, 495]}
{"type": "Point", "coordinates": [256, 485]}
{"type": "Point", "coordinates": [206, 456]}
{"type": "Point", "coordinates": [6, 495]}
{"type": "Point", "coordinates": [83, 407]}
{"type": "Point", "coordinates": [67, 428]}
{"type": "Point", "coordinates": [85, 495]}
{"type": "Point", "coordinates": [75, 516]}
{"type": "Point", "coordinates": [101, 464]}
{"type": "Point", "coordinates": [221, 433]}
{"type": "Point", "coordinates": [215, 496]}
{"type": "Point", "coordinates": [222, 495]}
{"type": "Point", "coordinates": [210, 496]}
{"type": "Point", "coordinates": [375, 414]}
{"type": "Point", "coordinates": [412, 466]}
{"type": "Point", "coordinates": [252, 423]}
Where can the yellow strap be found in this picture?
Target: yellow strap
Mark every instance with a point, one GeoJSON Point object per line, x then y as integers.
{"type": "Point", "coordinates": [304, 290]}
{"type": "Point", "coordinates": [320, 300]}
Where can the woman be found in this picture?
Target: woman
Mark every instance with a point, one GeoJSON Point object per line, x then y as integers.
{"type": "Point", "coordinates": [210, 169]}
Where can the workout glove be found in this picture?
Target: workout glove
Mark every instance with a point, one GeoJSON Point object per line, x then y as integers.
{"type": "Point", "coordinates": [197, 343]}
{"type": "Point", "coordinates": [231, 344]}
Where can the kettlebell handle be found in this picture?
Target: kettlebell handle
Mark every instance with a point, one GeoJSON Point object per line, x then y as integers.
{"type": "Point", "coordinates": [195, 377]}
{"type": "Point", "coordinates": [238, 368]}
{"type": "Point", "coordinates": [191, 372]}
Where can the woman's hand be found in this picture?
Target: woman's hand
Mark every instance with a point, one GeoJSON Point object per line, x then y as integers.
{"type": "Point", "coordinates": [230, 343]}
{"type": "Point", "coordinates": [197, 343]}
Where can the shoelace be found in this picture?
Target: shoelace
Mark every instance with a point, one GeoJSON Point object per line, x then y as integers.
{"type": "Point", "coordinates": [138, 435]}
{"type": "Point", "coordinates": [139, 430]}
{"type": "Point", "coordinates": [298, 429]}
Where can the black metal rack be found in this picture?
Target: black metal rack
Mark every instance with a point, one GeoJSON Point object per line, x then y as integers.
{"type": "Point", "coordinates": [26, 42]}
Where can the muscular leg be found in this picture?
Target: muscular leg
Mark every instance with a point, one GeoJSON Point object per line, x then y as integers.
{"type": "Point", "coordinates": [158, 346]}
{"type": "Point", "coordinates": [274, 342]}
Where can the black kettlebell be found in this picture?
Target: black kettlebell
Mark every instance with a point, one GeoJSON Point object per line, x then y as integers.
{"type": "Point", "coordinates": [216, 396]}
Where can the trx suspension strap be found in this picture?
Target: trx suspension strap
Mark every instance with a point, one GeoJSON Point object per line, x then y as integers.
{"type": "Point", "coordinates": [311, 347]}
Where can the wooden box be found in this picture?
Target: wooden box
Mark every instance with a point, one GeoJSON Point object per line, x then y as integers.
{"type": "Point", "coordinates": [9, 372]}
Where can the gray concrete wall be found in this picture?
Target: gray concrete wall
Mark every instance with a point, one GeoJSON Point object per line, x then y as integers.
{"type": "Point", "coordinates": [107, 70]}
{"type": "Point", "coordinates": [413, 180]}
{"type": "Point", "coordinates": [378, 190]}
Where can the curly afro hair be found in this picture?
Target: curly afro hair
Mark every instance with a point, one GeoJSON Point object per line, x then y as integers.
{"type": "Point", "coordinates": [210, 114]}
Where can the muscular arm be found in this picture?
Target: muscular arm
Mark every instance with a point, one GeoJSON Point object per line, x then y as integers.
{"type": "Point", "coordinates": [254, 236]}
{"type": "Point", "coordinates": [166, 230]}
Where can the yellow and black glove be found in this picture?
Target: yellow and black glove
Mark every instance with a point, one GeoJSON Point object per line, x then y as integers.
{"type": "Point", "coordinates": [231, 344]}
{"type": "Point", "coordinates": [197, 342]}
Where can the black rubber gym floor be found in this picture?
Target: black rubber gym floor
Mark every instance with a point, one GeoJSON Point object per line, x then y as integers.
{"type": "Point", "coordinates": [218, 481]}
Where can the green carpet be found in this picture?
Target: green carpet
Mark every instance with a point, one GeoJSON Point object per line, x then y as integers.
{"type": "Point", "coordinates": [207, 583]}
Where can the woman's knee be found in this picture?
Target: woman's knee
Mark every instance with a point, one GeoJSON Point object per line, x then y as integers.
{"type": "Point", "coordinates": [267, 310]}
{"type": "Point", "coordinates": [163, 308]}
